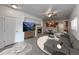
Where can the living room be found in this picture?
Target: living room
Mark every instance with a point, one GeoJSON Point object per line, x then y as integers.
{"type": "Point", "coordinates": [42, 29]}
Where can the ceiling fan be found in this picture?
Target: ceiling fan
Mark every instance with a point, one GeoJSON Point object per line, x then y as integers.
{"type": "Point", "coordinates": [50, 12]}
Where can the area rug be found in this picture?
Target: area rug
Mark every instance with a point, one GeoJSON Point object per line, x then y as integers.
{"type": "Point", "coordinates": [18, 49]}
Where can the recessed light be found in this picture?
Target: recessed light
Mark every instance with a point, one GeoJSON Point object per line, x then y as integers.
{"type": "Point", "coordinates": [14, 6]}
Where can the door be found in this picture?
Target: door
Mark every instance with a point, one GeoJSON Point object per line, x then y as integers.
{"type": "Point", "coordinates": [10, 29]}
{"type": "Point", "coordinates": [61, 27]}
{"type": "Point", "coordinates": [2, 42]}
{"type": "Point", "coordinates": [19, 30]}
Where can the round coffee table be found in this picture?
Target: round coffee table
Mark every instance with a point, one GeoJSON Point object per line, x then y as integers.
{"type": "Point", "coordinates": [40, 43]}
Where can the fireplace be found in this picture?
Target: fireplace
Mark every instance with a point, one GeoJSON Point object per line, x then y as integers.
{"type": "Point", "coordinates": [39, 30]}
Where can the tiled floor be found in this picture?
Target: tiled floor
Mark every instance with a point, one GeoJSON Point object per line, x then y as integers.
{"type": "Point", "coordinates": [20, 48]}
{"type": "Point", "coordinates": [35, 49]}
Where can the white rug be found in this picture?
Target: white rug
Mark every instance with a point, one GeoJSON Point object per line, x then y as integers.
{"type": "Point", "coordinates": [18, 49]}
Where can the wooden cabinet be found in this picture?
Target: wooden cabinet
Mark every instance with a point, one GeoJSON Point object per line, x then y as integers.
{"type": "Point", "coordinates": [66, 26]}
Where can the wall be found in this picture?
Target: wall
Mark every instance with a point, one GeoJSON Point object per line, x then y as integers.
{"type": "Point", "coordinates": [61, 25]}
{"type": "Point", "coordinates": [39, 23]}
{"type": "Point", "coordinates": [36, 21]}
{"type": "Point", "coordinates": [9, 12]}
{"type": "Point", "coordinates": [74, 15]}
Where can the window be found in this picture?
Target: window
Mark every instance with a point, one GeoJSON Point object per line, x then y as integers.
{"type": "Point", "coordinates": [74, 24]}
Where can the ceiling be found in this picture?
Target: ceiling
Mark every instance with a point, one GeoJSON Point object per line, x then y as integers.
{"type": "Point", "coordinates": [64, 10]}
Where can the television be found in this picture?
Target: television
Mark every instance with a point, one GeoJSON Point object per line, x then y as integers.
{"type": "Point", "coordinates": [28, 26]}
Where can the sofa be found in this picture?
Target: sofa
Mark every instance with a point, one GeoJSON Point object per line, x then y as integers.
{"type": "Point", "coordinates": [70, 45]}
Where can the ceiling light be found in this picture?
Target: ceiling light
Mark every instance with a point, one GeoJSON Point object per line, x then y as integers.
{"type": "Point", "coordinates": [14, 6]}
{"type": "Point", "coordinates": [55, 12]}
{"type": "Point", "coordinates": [49, 15]}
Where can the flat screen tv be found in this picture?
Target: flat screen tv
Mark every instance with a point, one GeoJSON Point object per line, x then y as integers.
{"type": "Point", "coordinates": [28, 26]}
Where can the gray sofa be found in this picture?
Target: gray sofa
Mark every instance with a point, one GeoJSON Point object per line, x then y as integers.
{"type": "Point", "coordinates": [70, 46]}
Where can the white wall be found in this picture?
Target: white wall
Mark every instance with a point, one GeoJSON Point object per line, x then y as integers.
{"type": "Point", "coordinates": [74, 15]}
{"type": "Point", "coordinates": [36, 21]}
{"type": "Point", "coordinates": [9, 12]}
